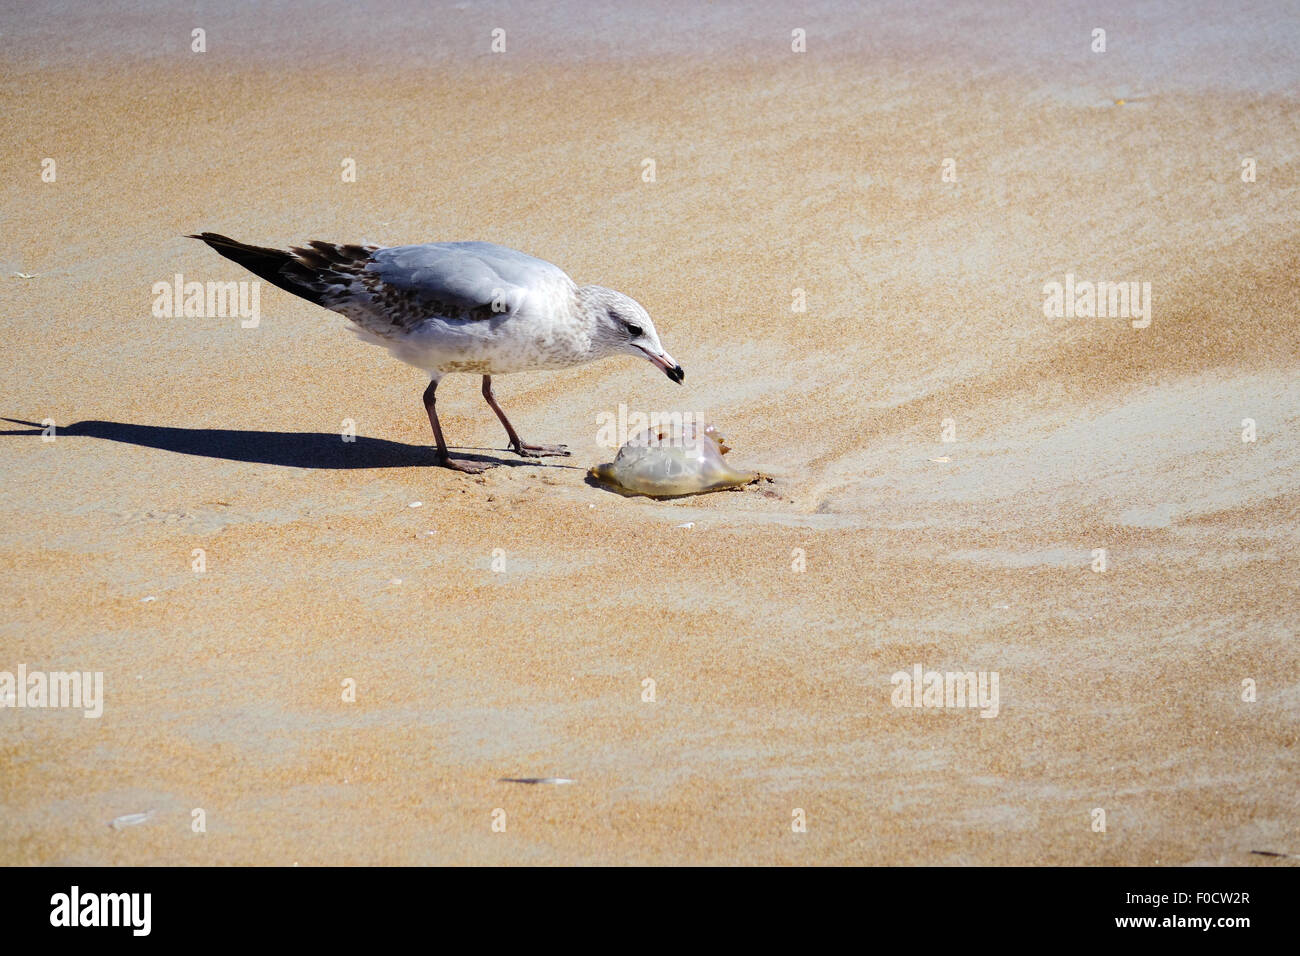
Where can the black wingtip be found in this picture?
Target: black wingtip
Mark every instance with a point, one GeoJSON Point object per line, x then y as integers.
{"type": "Point", "coordinates": [269, 264]}
{"type": "Point", "coordinates": [676, 373]}
{"type": "Point", "coordinates": [212, 238]}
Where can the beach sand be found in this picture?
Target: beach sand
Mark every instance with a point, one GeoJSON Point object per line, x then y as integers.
{"type": "Point", "coordinates": [532, 607]}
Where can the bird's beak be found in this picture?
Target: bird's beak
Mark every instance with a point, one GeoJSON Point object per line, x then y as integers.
{"type": "Point", "coordinates": [667, 363]}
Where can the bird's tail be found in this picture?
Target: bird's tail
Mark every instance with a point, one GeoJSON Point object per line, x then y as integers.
{"type": "Point", "coordinates": [269, 264]}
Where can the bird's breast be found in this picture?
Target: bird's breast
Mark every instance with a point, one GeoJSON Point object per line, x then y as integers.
{"type": "Point", "coordinates": [491, 346]}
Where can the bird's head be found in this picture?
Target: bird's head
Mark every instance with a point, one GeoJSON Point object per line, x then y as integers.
{"type": "Point", "coordinates": [622, 327]}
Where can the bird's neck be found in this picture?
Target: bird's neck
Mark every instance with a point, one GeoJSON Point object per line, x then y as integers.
{"type": "Point", "coordinates": [589, 310]}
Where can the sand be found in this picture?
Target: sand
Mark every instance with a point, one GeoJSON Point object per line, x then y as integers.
{"type": "Point", "coordinates": [505, 627]}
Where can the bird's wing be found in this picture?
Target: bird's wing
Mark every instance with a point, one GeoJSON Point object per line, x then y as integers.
{"type": "Point", "coordinates": [470, 277]}
{"type": "Point", "coordinates": [388, 291]}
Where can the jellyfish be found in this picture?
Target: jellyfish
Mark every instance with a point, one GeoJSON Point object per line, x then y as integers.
{"type": "Point", "coordinates": [668, 461]}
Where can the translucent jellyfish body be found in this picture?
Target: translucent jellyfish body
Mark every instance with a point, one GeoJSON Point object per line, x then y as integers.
{"type": "Point", "coordinates": [668, 461]}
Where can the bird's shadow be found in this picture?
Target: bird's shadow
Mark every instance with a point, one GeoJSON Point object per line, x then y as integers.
{"type": "Point", "coordinates": [290, 449]}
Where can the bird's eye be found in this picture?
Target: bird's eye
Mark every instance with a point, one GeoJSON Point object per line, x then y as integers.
{"type": "Point", "coordinates": [635, 330]}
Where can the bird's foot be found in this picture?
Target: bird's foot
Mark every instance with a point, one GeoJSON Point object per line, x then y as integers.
{"type": "Point", "coordinates": [462, 465]}
{"type": "Point", "coordinates": [542, 451]}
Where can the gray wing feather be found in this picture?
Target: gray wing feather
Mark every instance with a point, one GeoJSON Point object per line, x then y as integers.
{"type": "Point", "coordinates": [469, 278]}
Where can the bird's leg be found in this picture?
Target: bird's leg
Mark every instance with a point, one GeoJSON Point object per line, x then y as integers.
{"type": "Point", "coordinates": [444, 459]}
{"type": "Point", "coordinates": [525, 451]}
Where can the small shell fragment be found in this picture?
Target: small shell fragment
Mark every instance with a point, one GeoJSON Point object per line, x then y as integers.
{"type": "Point", "coordinates": [669, 461]}
{"type": "Point", "coordinates": [532, 780]}
{"type": "Point", "coordinates": [131, 819]}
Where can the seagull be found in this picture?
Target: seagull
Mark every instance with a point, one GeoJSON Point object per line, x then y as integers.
{"type": "Point", "coordinates": [461, 307]}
